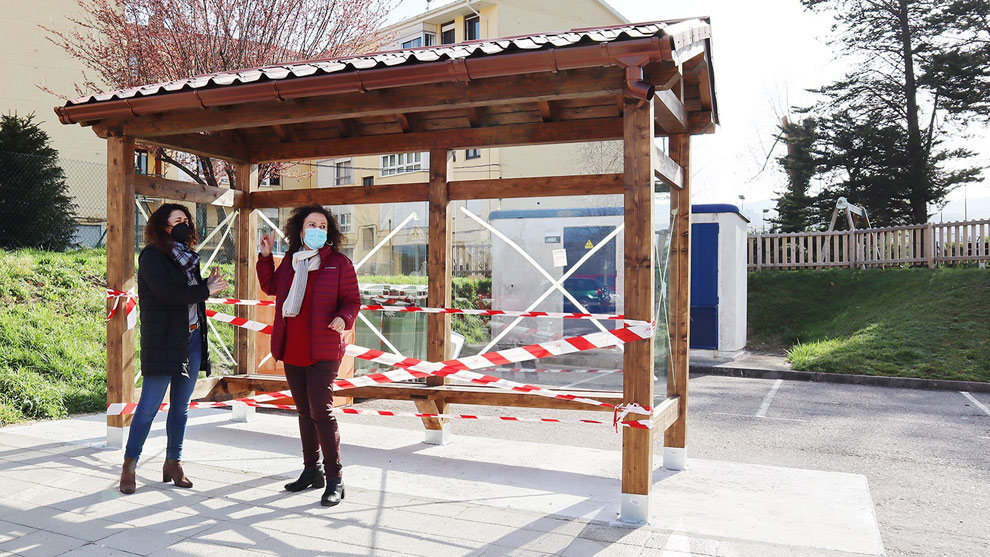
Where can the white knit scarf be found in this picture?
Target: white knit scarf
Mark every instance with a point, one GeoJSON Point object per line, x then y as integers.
{"type": "Point", "coordinates": [303, 261]}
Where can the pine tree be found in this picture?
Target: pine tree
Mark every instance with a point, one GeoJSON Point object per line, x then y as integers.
{"type": "Point", "coordinates": [921, 73]}
{"type": "Point", "coordinates": [794, 212]}
{"type": "Point", "coordinates": [35, 208]}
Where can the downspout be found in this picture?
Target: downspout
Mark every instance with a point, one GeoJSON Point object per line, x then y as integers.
{"type": "Point", "coordinates": [467, 4]}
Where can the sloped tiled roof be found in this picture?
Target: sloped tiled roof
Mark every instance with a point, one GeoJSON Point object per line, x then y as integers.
{"type": "Point", "coordinates": [680, 31]}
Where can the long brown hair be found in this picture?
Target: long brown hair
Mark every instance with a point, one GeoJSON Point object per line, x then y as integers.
{"type": "Point", "coordinates": [154, 231]}
{"type": "Point", "coordinates": [294, 226]}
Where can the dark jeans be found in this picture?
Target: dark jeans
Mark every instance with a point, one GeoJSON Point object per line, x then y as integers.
{"type": "Point", "coordinates": [312, 390]}
{"type": "Point", "coordinates": [152, 395]}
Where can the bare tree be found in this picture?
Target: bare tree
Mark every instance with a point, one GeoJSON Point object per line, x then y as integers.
{"type": "Point", "coordinates": [125, 43]}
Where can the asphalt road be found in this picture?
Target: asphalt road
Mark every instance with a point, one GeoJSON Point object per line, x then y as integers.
{"type": "Point", "coordinates": [926, 454]}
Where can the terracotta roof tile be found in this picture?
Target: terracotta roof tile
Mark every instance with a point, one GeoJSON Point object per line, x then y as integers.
{"type": "Point", "coordinates": [470, 49]}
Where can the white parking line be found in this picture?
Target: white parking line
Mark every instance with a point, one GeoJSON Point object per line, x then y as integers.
{"type": "Point", "coordinates": [976, 402]}
{"type": "Point", "coordinates": [762, 412]}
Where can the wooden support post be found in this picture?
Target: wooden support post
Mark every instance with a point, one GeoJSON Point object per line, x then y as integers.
{"type": "Point", "coordinates": [246, 285]}
{"type": "Point", "coordinates": [637, 444]}
{"type": "Point", "coordinates": [120, 276]}
{"type": "Point", "coordinates": [674, 452]}
{"type": "Point", "coordinates": [438, 292]}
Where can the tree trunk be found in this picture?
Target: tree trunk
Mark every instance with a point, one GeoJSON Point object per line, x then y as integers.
{"type": "Point", "coordinates": [917, 176]}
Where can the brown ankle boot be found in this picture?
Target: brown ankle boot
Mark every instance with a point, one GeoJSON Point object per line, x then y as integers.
{"type": "Point", "coordinates": [172, 472]}
{"type": "Point", "coordinates": [127, 481]}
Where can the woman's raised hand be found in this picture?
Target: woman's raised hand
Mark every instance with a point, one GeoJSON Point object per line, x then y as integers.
{"type": "Point", "coordinates": [267, 241]}
{"type": "Point", "coordinates": [217, 282]}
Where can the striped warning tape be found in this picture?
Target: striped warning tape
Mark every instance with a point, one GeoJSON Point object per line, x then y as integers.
{"type": "Point", "coordinates": [414, 309]}
{"type": "Point", "coordinates": [526, 370]}
{"type": "Point", "coordinates": [460, 368]}
{"type": "Point", "coordinates": [129, 408]}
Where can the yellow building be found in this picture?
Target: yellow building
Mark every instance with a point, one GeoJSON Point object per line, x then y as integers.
{"type": "Point", "coordinates": [456, 22]}
{"type": "Point", "coordinates": [31, 64]}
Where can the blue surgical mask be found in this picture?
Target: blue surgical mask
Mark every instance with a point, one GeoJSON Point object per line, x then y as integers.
{"type": "Point", "coordinates": [315, 238]}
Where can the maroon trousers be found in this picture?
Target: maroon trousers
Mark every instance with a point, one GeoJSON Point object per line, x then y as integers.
{"type": "Point", "coordinates": [312, 390]}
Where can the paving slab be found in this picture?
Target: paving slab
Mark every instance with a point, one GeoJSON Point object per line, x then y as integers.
{"type": "Point", "coordinates": [473, 496]}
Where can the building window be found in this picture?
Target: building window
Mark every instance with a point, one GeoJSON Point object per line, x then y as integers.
{"type": "Point", "coordinates": [140, 162]}
{"type": "Point", "coordinates": [472, 28]}
{"type": "Point", "coordinates": [448, 33]}
{"type": "Point", "coordinates": [401, 162]}
{"type": "Point", "coordinates": [414, 43]}
{"type": "Point", "coordinates": [367, 238]}
{"type": "Point", "coordinates": [368, 181]}
{"type": "Point", "coordinates": [273, 178]}
{"type": "Point", "coordinates": [345, 221]}
{"type": "Point", "coordinates": [429, 39]}
{"type": "Point", "coordinates": [342, 174]}
{"type": "Point", "coordinates": [472, 153]}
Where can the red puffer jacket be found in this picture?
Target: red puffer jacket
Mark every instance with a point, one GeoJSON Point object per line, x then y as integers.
{"type": "Point", "coordinates": [335, 294]}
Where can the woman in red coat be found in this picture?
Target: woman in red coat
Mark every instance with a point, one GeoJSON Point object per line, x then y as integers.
{"type": "Point", "coordinates": [316, 299]}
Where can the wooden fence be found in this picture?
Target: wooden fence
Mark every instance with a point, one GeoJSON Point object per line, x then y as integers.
{"type": "Point", "coordinates": [474, 260]}
{"type": "Point", "coordinates": [925, 244]}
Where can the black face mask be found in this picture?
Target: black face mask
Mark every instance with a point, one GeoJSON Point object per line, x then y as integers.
{"type": "Point", "coordinates": [180, 232]}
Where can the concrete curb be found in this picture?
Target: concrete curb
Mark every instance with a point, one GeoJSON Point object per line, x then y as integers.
{"type": "Point", "coordinates": [848, 379]}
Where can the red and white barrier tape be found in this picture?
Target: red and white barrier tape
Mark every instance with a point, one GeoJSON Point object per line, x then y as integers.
{"type": "Point", "coordinates": [414, 309]}
{"type": "Point", "coordinates": [460, 369]}
{"type": "Point", "coordinates": [129, 408]}
{"type": "Point", "coordinates": [527, 370]}
{"type": "Point", "coordinates": [240, 322]}
{"type": "Point", "coordinates": [129, 305]}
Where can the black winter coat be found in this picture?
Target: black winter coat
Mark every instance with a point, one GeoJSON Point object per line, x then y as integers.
{"type": "Point", "coordinates": [164, 296]}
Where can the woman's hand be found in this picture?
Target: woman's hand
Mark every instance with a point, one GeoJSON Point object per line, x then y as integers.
{"type": "Point", "coordinates": [338, 324]}
{"type": "Point", "coordinates": [217, 282]}
{"type": "Point", "coordinates": [267, 241]}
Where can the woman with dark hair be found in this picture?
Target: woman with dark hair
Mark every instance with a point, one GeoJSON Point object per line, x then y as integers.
{"type": "Point", "coordinates": [316, 299]}
{"type": "Point", "coordinates": [171, 296]}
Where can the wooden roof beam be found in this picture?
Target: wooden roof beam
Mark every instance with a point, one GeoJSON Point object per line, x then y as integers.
{"type": "Point", "coordinates": [475, 115]}
{"type": "Point", "coordinates": [548, 111]}
{"type": "Point", "coordinates": [175, 190]}
{"type": "Point", "coordinates": [669, 112]}
{"type": "Point", "coordinates": [285, 134]}
{"type": "Point", "coordinates": [666, 169]}
{"type": "Point", "coordinates": [516, 89]}
{"type": "Point", "coordinates": [346, 127]}
{"type": "Point", "coordinates": [342, 195]}
{"type": "Point", "coordinates": [591, 129]}
{"type": "Point", "coordinates": [544, 186]}
{"type": "Point", "coordinates": [228, 148]}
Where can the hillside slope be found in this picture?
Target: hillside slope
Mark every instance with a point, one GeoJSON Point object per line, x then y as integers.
{"type": "Point", "coordinates": [931, 323]}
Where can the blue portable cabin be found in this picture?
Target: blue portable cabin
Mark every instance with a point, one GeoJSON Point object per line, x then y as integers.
{"type": "Point", "coordinates": [557, 238]}
{"type": "Point", "coordinates": [718, 280]}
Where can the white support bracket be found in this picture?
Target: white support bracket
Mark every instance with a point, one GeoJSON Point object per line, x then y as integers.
{"type": "Point", "coordinates": [634, 508]}
{"type": "Point", "coordinates": [438, 436]}
{"type": "Point", "coordinates": [674, 458]}
{"type": "Point", "coordinates": [117, 436]}
{"type": "Point", "coordinates": [242, 412]}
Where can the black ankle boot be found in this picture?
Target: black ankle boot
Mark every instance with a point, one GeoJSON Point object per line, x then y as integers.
{"type": "Point", "coordinates": [333, 493]}
{"type": "Point", "coordinates": [310, 477]}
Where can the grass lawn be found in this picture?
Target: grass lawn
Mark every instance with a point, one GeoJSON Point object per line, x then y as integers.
{"type": "Point", "coordinates": [930, 323]}
{"type": "Point", "coordinates": [53, 334]}
{"type": "Point", "coordinates": [53, 331]}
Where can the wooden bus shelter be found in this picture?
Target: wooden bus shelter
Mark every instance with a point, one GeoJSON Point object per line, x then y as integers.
{"type": "Point", "coordinates": [632, 82]}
